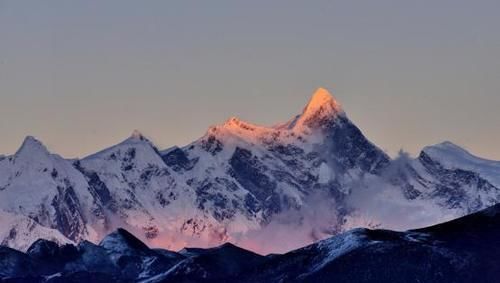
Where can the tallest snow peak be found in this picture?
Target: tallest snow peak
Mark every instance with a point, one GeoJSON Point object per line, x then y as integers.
{"type": "Point", "coordinates": [322, 107]}
{"type": "Point", "coordinates": [322, 98]}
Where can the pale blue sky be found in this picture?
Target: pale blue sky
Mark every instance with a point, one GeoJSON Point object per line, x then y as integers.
{"type": "Point", "coordinates": [81, 75]}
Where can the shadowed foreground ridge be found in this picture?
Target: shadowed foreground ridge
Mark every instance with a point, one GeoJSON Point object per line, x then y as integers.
{"type": "Point", "coordinates": [463, 250]}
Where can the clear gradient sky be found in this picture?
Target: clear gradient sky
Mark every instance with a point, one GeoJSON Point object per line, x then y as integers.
{"type": "Point", "coordinates": [81, 75]}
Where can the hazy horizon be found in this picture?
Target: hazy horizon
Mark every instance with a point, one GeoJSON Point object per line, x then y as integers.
{"type": "Point", "coordinates": [82, 76]}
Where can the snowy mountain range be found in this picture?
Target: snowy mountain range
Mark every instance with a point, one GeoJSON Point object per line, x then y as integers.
{"type": "Point", "coordinates": [314, 176]}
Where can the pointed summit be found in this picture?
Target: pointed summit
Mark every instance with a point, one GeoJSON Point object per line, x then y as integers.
{"type": "Point", "coordinates": [322, 107]}
{"type": "Point", "coordinates": [32, 146]}
{"type": "Point", "coordinates": [322, 99]}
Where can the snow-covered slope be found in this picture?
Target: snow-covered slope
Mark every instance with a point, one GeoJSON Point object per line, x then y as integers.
{"type": "Point", "coordinates": [19, 232]}
{"type": "Point", "coordinates": [134, 182]}
{"type": "Point", "coordinates": [308, 178]}
{"type": "Point", "coordinates": [454, 178]}
{"type": "Point", "coordinates": [142, 193]}
{"type": "Point", "coordinates": [453, 157]}
{"type": "Point", "coordinates": [48, 189]}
